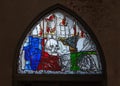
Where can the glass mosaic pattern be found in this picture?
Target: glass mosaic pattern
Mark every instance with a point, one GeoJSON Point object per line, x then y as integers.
{"type": "Point", "coordinates": [58, 44]}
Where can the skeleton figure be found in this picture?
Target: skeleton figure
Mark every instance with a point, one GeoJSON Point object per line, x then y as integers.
{"type": "Point", "coordinates": [56, 48]}
{"type": "Point", "coordinates": [51, 47]}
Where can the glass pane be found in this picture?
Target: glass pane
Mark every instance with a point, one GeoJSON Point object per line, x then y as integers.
{"type": "Point", "coordinates": [58, 44]}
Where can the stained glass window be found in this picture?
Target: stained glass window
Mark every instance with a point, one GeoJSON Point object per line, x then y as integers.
{"type": "Point", "coordinates": [58, 44]}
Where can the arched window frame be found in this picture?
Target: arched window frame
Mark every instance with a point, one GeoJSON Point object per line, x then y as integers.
{"type": "Point", "coordinates": [37, 77]}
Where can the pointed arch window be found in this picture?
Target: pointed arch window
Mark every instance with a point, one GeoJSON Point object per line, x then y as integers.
{"type": "Point", "coordinates": [59, 45]}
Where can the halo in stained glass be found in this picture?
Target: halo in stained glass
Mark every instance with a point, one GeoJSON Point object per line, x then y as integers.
{"type": "Point", "coordinates": [58, 44]}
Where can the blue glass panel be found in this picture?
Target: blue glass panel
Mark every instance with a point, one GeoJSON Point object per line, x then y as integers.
{"type": "Point", "coordinates": [32, 53]}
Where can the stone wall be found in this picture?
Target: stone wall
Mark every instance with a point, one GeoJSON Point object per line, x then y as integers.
{"type": "Point", "coordinates": [101, 15]}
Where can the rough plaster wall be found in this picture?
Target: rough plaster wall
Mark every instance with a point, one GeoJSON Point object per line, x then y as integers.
{"type": "Point", "coordinates": [101, 15]}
